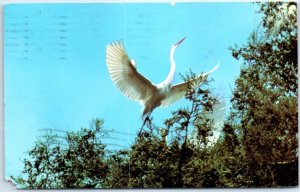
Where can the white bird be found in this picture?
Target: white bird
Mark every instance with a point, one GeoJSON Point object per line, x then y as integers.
{"type": "Point", "coordinates": [136, 87]}
{"type": "Point", "coordinates": [216, 117]}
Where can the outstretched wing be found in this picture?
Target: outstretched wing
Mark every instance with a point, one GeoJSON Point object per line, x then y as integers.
{"type": "Point", "coordinates": [124, 74]}
{"type": "Point", "coordinates": [178, 91]}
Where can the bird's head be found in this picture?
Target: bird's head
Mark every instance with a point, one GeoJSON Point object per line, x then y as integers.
{"type": "Point", "coordinates": [179, 42]}
{"type": "Point", "coordinates": [174, 46]}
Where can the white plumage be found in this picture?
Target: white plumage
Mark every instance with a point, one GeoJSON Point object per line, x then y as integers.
{"type": "Point", "coordinates": [136, 87]}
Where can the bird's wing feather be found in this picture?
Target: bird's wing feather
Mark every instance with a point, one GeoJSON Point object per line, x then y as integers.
{"type": "Point", "coordinates": [124, 74]}
{"type": "Point", "coordinates": [178, 90]}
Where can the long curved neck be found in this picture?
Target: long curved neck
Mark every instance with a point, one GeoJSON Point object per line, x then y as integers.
{"type": "Point", "coordinates": [170, 76]}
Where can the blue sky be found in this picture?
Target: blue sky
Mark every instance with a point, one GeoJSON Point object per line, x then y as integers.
{"type": "Point", "coordinates": [55, 74]}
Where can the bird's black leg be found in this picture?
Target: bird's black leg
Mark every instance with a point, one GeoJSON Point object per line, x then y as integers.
{"type": "Point", "coordinates": [147, 118]}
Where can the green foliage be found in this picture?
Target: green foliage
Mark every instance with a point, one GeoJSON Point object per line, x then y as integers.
{"type": "Point", "coordinates": [152, 163]}
{"type": "Point", "coordinates": [264, 103]}
{"type": "Point", "coordinates": [258, 147]}
{"type": "Point", "coordinates": [74, 161]}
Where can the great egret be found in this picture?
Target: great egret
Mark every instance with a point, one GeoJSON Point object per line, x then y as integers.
{"type": "Point", "coordinates": [136, 87]}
